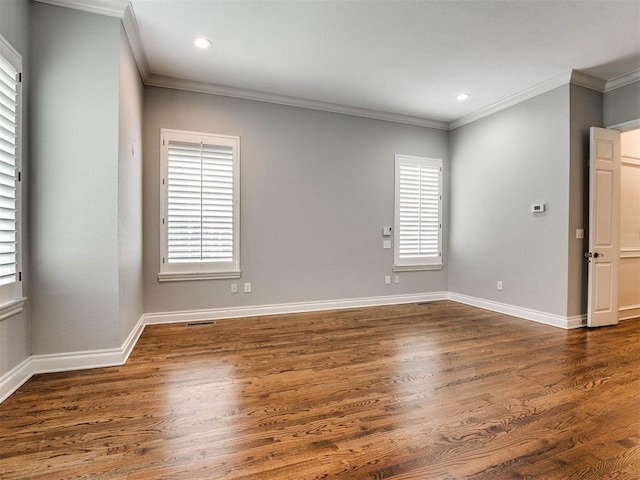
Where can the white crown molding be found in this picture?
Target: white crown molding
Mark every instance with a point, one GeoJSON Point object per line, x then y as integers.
{"type": "Point", "coordinates": [573, 77]}
{"type": "Point", "coordinates": [111, 8]}
{"type": "Point", "coordinates": [203, 87]}
{"type": "Point", "coordinates": [622, 80]}
{"type": "Point", "coordinates": [131, 30]}
{"type": "Point", "coordinates": [587, 81]}
{"type": "Point", "coordinates": [512, 100]}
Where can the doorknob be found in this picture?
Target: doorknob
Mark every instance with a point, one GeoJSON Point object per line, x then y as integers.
{"type": "Point", "coordinates": [588, 255]}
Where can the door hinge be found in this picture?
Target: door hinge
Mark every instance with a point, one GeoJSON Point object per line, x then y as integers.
{"type": "Point", "coordinates": [19, 176]}
{"type": "Point", "coordinates": [162, 259]}
{"type": "Point", "coordinates": [19, 77]}
{"type": "Point", "coordinates": [19, 276]}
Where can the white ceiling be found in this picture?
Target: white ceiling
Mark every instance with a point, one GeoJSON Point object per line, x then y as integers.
{"type": "Point", "coordinates": [408, 58]}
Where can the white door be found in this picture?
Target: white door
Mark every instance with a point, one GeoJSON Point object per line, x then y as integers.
{"type": "Point", "coordinates": [604, 225]}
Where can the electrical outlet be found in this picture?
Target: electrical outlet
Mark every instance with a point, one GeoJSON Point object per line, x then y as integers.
{"type": "Point", "coordinates": [579, 233]}
{"type": "Point", "coordinates": [386, 244]}
{"type": "Point", "coordinates": [234, 288]}
{"type": "Point", "coordinates": [387, 280]}
{"type": "Point", "coordinates": [500, 285]}
{"type": "Point", "coordinates": [396, 279]}
{"type": "Point", "coordinates": [247, 288]}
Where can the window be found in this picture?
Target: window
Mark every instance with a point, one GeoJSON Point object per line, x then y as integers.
{"type": "Point", "coordinates": [418, 213]}
{"type": "Point", "coordinates": [10, 176]}
{"type": "Point", "coordinates": [200, 206]}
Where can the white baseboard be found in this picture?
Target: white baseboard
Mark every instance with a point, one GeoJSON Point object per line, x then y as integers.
{"type": "Point", "coordinates": [520, 312]}
{"type": "Point", "coordinates": [15, 378]}
{"type": "Point", "coordinates": [63, 362]}
{"type": "Point", "coordinates": [277, 309]}
{"type": "Point", "coordinates": [113, 357]}
{"type": "Point", "coordinates": [58, 362]}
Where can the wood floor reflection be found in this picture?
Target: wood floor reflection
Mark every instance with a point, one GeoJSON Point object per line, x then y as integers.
{"type": "Point", "coordinates": [431, 391]}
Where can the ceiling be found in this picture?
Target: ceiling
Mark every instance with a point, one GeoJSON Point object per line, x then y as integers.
{"type": "Point", "coordinates": [408, 59]}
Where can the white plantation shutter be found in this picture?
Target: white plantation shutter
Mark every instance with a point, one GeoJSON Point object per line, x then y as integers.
{"type": "Point", "coordinates": [418, 212]}
{"type": "Point", "coordinates": [200, 217]}
{"type": "Point", "coordinates": [10, 288]}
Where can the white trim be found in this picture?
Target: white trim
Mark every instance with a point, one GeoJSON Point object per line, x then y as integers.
{"type": "Point", "coordinates": [7, 49]}
{"type": "Point", "coordinates": [37, 364]}
{"type": "Point", "coordinates": [282, 308]}
{"type": "Point", "coordinates": [625, 126]}
{"type": "Point", "coordinates": [12, 308]}
{"type": "Point", "coordinates": [573, 77]}
{"type": "Point", "coordinates": [62, 362]}
{"type": "Point", "coordinates": [512, 100]}
{"type": "Point", "coordinates": [203, 87]}
{"type": "Point", "coordinates": [15, 378]}
{"type": "Point", "coordinates": [635, 314]}
{"type": "Point", "coordinates": [577, 321]}
{"type": "Point", "coordinates": [417, 268]}
{"type": "Point", "coordinates": [630, 161]}
{"type": "Point", "coordinates": [520, 312]}
{"type": "Point", "coordinates": [110, 8]}
{"type": "Point", "coordinates": [622, 80]}
{"type": "Point", "coordinates": [188, 276]}
{"type": "Point", "coordinates": [131, 341]}
{"type": "Point", "coordinates": [587, 81]}
{"type": "Point", "coordinates": [112, 357]}
{"type": "Point", "coordinates": [630, 307]}
{"type": "Point", "coordinates": [131, 30]}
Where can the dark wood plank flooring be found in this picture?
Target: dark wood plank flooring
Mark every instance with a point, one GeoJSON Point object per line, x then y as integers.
{"type": "Point", "coordinates": [433, 391]}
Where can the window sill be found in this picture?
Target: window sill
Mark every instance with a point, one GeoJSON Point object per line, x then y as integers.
{"type": "Point", "coordinates": [12, 308]}
{"type": "Point", "coordinates": [417, 268]}
{"type": "Point", "coordinates": [188, 276]}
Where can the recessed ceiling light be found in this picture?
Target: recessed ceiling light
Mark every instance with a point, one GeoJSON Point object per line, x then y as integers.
{"type": "Point", "coordinates": [203, 43]}
{"type": "Point", "coordinates": [463, 96]}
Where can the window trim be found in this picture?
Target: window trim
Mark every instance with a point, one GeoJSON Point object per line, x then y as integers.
{"type": "Point", "coordinates": [416, 263]}
{"type": "Point", "coordinates": [11, 299]}
{"type": "Point", "coordinates": [197, 270]}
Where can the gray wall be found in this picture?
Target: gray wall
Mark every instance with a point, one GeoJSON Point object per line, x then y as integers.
{"type": "Point", "coordinates": [129, 192]}
{"type": "Point", "coordinates": [74, 214]}
{"type": "Point", "coordinates": [500, 165]}
{"type": "Point", "coordinates": [316, 190]}
{"type": "Point", "coordinates": [15, 341]}
{"type": "Point", "coordinates": [622, 104]}
{"type": "Point", "coordinates": [585, 112]}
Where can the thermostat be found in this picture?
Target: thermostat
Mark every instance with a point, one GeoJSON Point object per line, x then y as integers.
{"type": "Point", "coordinates": [537, 208]}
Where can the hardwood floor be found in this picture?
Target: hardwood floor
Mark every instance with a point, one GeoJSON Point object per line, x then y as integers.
{"type": "Point", "coordinates": [432, 391]}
